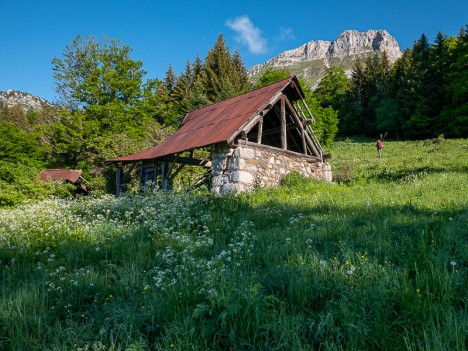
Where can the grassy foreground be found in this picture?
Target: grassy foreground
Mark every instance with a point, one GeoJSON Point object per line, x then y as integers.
{"type": "Point", "coordinates": [376, 261]}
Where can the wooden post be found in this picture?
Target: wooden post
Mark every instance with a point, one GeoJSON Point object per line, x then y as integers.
{"type": "Point", "coordinates": [260, 129]}
{"type": "Point", "coordinates": [164, 179]}
{"type": "Point", "coordinates": [304, 145]}
{"type": "Point", "coordinates": [155, 175]}
{"type": "Point", "coordinates": [284, 142]}
{"type": "Point", "coordinates": [141, 176]}
{"type": "Point", "coordinates": [118, 177]}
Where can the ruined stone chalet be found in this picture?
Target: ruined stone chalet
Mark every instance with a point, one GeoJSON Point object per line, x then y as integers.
{"type": "Point", "coordinates": [256, 139]}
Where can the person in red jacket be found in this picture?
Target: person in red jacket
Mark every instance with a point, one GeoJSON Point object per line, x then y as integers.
{"type": "Point", "coordinates": [379, 147]}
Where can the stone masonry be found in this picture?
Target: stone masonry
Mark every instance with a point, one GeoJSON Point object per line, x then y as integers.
{"type": "Point", "coordinates": [247, 167]}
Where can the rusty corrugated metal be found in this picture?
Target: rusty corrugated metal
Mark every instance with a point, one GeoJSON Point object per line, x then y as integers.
{"type": "Point", "coordinates": [216, 123]}
{"type": "Point", "coordinates": [58, 174]}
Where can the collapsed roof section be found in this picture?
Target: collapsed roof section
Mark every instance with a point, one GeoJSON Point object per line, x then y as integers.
{"type": "Point", "coordinates": [71, 175]}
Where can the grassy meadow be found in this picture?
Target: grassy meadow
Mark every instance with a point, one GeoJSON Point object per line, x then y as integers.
{"type": "Point", "coordinates": [376, 260]}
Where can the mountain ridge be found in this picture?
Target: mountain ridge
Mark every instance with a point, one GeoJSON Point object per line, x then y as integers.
{"type": "Point", "coordinates": [27, 101]}
{"type": "Point", "coordinates": [310, 60]}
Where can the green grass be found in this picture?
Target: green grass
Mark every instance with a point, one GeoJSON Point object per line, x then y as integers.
{"type": "Point", "coordinates": [374, 261]}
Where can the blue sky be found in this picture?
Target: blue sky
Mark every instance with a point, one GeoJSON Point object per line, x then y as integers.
{"type": "Point", "coordinates": [171, 32]}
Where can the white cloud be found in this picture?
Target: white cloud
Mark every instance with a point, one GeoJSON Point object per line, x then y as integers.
{"type": "Point", "coordinates": [285, 34]}
{"type": "Point", "coordinates": [248, 34]}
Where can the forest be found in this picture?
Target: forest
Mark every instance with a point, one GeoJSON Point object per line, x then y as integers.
{"type": "Point", "coordinates": [107, 108]}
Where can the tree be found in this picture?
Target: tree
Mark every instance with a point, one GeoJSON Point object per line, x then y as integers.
{"type": "Point", "coordinates": [157, 103]}
{"type": "Point", "coordinates": [170, 79]}
{"type": "Point", "coordinates": [272, 75]}
{"type": "Point", "coordinates": [102, 87]}
{"type": "Point", "coordinates": [453, 119]}
{"type": "Point", "coordinates": [97, 73]}
{"type": "Point", "coordinates": [368, 88]}
{"type": "Point", "coordinates": [352, 113]}
{"type": "Point", "coordinates": [332, 88]}
{"type": "Point", "coordinates": [224, 74]}
{"type": "Point", "coordinates": [326, 120]}
{"type": "Point", "coordinates": [400, 102]}
{"type": "Point", "coordinates": [419, 124]}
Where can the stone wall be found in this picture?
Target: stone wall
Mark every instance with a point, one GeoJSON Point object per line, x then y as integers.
{"type": "Point", "coordinates": [247, 167]}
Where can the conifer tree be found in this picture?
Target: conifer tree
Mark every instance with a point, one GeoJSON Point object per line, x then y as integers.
{"type": "Point", "coordinates": [419, 123]}
{"type": "Point", "coordinates": [352, 116]}
{"type": "Point", "coordinates": [170, 79]}
{"type": "Point", "coordinates": [454, 115]}
{"type": "Point", "coordinates": [224, 74]}
{"type": "Point", "coordinates": [240, 80]}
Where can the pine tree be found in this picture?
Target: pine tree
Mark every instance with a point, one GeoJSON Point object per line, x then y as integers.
{"type": "Point", "coordinates": [352, 115]}
{"type": "Point", "coordinates": [197, 67]}
{"type": "Point", "coordinates": [240, 80]}
{"type": "Point", "coordinates": [170, 79]}
{"type": "Point", "coordinates": [419, 123]}
{"type": "Point", "coordinates": [224, 74]}
{"type": "Point", "coordinates": [454, 115]}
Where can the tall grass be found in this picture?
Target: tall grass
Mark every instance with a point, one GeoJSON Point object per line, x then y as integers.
{"type": "Point", "coordinates": [374, 261]}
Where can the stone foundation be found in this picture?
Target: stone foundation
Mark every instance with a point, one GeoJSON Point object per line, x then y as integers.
{"type": "Point", "coordinates": [247, 167]}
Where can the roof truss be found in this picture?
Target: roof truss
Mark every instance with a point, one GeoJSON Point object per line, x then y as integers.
{"type": "Point", "coordinates": [280, 124]}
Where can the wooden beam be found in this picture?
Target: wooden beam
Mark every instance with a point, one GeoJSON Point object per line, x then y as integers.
{"type": "Point", "coordinates": [309, 158]}
{"type": "Point", "coordinates": [141, 172]}
{"type": "Point", "coordinates": [118, 176]}
{"type": "Point", "coordinates": [260, 130]}
{"type": "Point", "coordinates": [304, 145]}
{"type": "Point", "coordinates": [311, 139]}
{"type": "Point", "coordinates": [169, 170]}
{"type": "Point", "coordinates": [298, 121]}
{"type": "Point", "coordinates": [312, 146]}
{"type": "Point", "coordinates": [277, 130]}
{"type": "Point", "coordinates": [173, 175]}
{"type": "Point", "coordinates": [155, 176]}
{"type": "Point", "coordinates": [248, 125]}
{"type": "Point", "coordinates": [163, 176]}
{"type": "Point", "coordinates": [188, 161]}
{"type": "Point", "coordinates": [284, 141]}
{"type": "Point", "coordinates": [203, 180]}
{"type": "Point", "coordinates": [307, 108]}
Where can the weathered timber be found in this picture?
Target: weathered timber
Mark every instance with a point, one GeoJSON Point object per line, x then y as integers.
{"type": "Point", "coordinates": [298, 121]}
{"type": "Point", "coordinates": [188, 161]}
{"type": "Point", "coordinates": [164, 180]}
{"type": "Point", "coordinates": [308, 158]}
{"type": "Point", "coordinates": [205, 178]}
{"type": "Point", "coordinates": [284, 140]}
{"type": "Point", "coordinates": [248, 125]}
{"type": "Point", "coordinates": [118, 176]}
{"type": "Point", "coordinates": [260, 130]}
{"type": "Point", "coordinates": [278, 130]}
{"type": "Point", "coordinates": [176, 172]}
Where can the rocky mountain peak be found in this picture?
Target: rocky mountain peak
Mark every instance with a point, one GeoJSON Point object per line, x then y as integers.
{"type": "Point", "coordinates": [26, 101]}
{"type": "Point", "coordinates": [352, 42]}
{"type": "Point", "coordinates": [310, 61]}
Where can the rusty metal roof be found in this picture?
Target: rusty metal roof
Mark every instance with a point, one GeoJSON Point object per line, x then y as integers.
{"type": "Point", "coordinates": [216, 123]}
{"type": "Point", "coordinates": [71, 175]}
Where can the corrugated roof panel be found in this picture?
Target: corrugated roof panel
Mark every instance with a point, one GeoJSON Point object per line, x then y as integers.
{"type": "Point", "coordinates": [57, 174]}
{"type": "Point", "coordinates": [214, 123]}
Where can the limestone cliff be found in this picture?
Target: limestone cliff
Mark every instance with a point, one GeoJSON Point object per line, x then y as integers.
{"type": "Point", "coordinates": [26, 101]}
{"type": "Point", "coordinates": [311, 60]}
